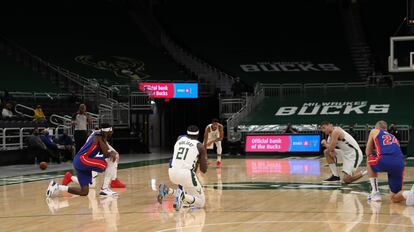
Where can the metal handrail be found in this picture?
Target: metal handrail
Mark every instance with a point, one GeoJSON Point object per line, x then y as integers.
{"type": "Point", "coordinates": [5, 137]}
{"type": "Point", "coordinates": [19, 137]}
{"type": "Point", "coordinates": [251, 103]}
{"type": "Point", "coordinates": [24, 107]}
{"type": "Point", "coordinates": [75, 78]}
{"type": "Point", "coordinates": [203, 70]}
{"type": "Point", "coordinates": [67, 122]}
{"type": "Point", "coordinates": [3, 140]}
{"type": "Point", "coordinates": [404, 83]}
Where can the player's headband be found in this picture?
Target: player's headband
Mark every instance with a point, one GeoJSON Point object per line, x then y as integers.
{"type": "Point", "coordinates": [192, 132]}
{"type": "Point", "coordinates": [106, 129]}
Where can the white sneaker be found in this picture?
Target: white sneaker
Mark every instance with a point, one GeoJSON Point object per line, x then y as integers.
{"type": "Point", "coordinates": [52, 189]}
{"type": "Point", "coordinates": [375, 196]}
{"type": "Point", "coordinates": [410, 197]}
{"type": "Point", "coordinates": [178, 199]}
{"type": "Point", "coordinates": [106, 192]}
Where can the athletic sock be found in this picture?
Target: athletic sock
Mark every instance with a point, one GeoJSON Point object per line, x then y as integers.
{"type": "Point", "coordinates": [109, 172]}
{"type": "Point", "coordinates": [75, 179]}
{"type": "Point", "coordinates": [374, 184]}
{"type": "Point", "coordinates": [219, 158]}
{"type": "Point", "coordinates": [364, 172]}
{"type": "Point", "coordinates": [63, 188]}
{"type": "Point", "coordinates": [333, 169]}
{"type": "Point", "coordinates": [115, 174]}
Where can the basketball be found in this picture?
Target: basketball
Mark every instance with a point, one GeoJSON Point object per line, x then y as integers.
{"type": "Point", "coordinates": [43, 165]}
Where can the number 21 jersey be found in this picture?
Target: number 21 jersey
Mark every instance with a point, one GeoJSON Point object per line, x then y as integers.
{"type": "Point", "coordinates": [185, 153]}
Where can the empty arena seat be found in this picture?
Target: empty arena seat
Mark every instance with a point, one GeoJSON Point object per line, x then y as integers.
{"type": "Point", "coordinates": [104, 45]}
{"type": "Point", "coordinates": [16, 77]}
{"type": "Point", "coordinates": [308, 45]}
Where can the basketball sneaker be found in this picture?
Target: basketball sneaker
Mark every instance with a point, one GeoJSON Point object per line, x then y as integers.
{"type": "Point", "coordinates": [332, 180]}
{"type": "Point", "coordinates": [67, 178]}
{"type": "Point", "coordinates": [106, 192]}
{"type": "Point", "coordinates": [52, 189]}
{"type": "Point", "coordinates": [218, 164]}
{"type": "Point", "coordinates": [375, 196]}
{"type": "Point", "coordinates": [162, 192]}
{"type": "Point", "coordinates": [117, 184]}
{"type": "Point", "coordinates": [410, 197]}
{"type": "Point", "coordinates": [178, 199]}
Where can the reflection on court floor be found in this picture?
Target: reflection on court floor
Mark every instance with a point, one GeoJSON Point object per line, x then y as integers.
{"type": "Point", "coordinates": [244, 195]}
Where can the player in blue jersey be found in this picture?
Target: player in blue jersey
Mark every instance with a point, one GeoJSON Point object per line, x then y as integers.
{"type": "Point", "coordinates": [88, 160]}
{"type": "Point", "coordinates": [384, 155]}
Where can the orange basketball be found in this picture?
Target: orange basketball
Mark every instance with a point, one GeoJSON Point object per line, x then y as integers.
{"type": "Point", "coordinates": [43, 165]}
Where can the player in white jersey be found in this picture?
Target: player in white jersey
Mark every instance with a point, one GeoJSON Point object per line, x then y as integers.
{"type": "Point", "coordinates": [188, 152]}
{"type": "Point", "coordinates": [341, 147]}
{"type": "Point", "coordinates": [214, 134]}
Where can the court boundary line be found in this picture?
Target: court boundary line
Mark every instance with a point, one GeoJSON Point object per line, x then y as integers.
{"type": "Point", "coordinates": [206, 211]}
{"type": "Point", "coordinates": [58, 174]}
{"type": "Point", "coordinates": [281, 221]}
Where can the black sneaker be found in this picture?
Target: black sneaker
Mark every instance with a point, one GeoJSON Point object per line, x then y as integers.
{"type": "Point", "coordinates": [332, 179]}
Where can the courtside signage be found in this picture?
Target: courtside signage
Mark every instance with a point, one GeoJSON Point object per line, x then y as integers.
{"type": "Point", "coordinates": [169, 90]}
{"type": "Point", "coordinates": [282, 143]}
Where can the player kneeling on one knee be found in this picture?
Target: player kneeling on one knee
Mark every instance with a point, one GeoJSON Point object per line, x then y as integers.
{"type": "Point", "coordinates": [88, 160]}
{"type": "Point", "coordinates": [213, 135]}
{"type": "Point", "coordinates": [341, 147]}
{"type": "Point", "coordinates": [390, 159]}
{"type": "Point", "coordinates": [188, 152]}
{"type": "Point", "coordinates": [110, 174]}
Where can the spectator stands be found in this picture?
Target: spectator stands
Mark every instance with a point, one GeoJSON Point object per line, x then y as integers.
{"type": "Point", "coordinates": [16, 77]}
{"type": "Point", "coordinates": [307, 46]}
{"type": "Point", "coordinates": [99, 53]}
{"type": "Point", "coordinates": [98, 42]}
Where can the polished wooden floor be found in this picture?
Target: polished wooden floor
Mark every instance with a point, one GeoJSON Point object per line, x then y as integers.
{"type": "Point", "coordinates": [244, 195]}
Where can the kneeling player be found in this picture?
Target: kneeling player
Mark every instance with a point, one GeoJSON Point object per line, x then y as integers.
{"type": "Point", "coordinates": [86, 161]}
{"type": "Point", "coordinates": [388, 158]}
{"type": "Point", "coordinates": [341, 147]}
{"type": "Point", "coordinates": [213, 135]}
{"type": "Point", "coordinates": [187, 152]}
{"type": "Point", "coordinates": [112, 177]}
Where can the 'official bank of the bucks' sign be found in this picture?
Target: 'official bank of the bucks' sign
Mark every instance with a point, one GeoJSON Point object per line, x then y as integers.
{"type": "Point", "coordinates": [333, 108]}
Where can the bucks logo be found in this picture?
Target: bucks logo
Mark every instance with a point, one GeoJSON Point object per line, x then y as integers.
{"type": "Point", "coordinates": [122, 67]}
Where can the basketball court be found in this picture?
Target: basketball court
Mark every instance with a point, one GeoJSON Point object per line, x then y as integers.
{"type": "Point", "coordinates": [246, 194]}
